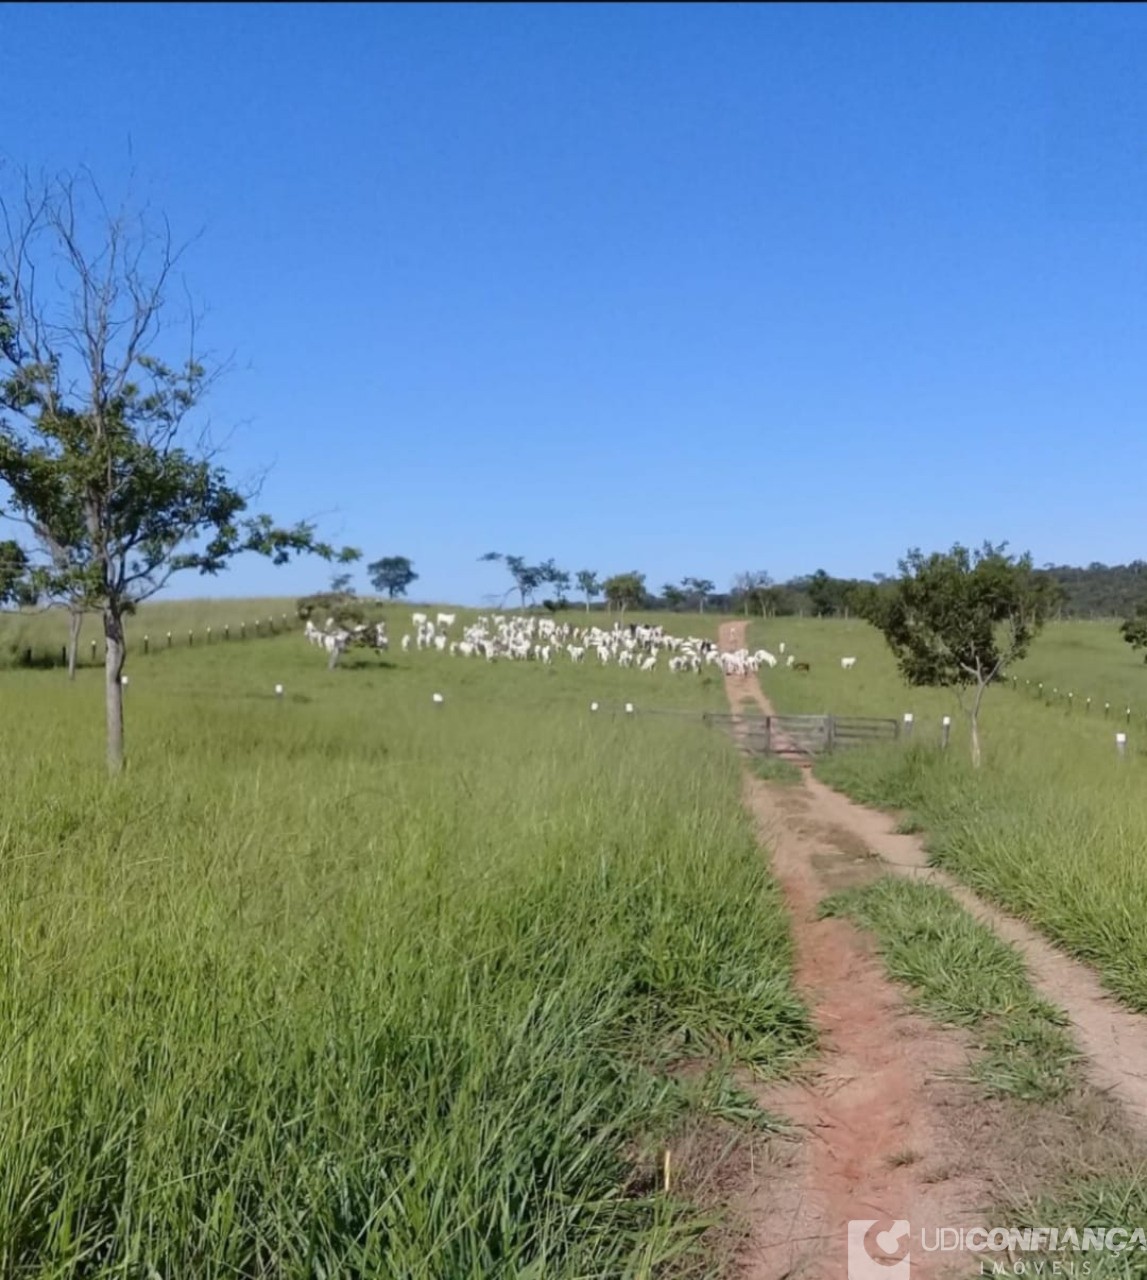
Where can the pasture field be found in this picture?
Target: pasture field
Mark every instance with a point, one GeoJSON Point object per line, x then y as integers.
{"type": "Point", "coordinates": [45, 631]}
{"type": "Point", "coordinates": [349, 984]}
{"type": "Point", "coordinates": [1054, 826]}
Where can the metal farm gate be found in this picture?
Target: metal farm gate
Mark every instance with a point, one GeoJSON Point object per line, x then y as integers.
{"type": "Point", "coordinates": [800, 738]}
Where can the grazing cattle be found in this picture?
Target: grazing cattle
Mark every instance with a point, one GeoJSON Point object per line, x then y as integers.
{"type": "Point", "coordinates": [418, 619]}
{"type": "Point", "coordinates": [801, 666]}
{"type": "Point", "coordinates": [846, 664]}
{"type": "Point", "coordinates": [446, 619]}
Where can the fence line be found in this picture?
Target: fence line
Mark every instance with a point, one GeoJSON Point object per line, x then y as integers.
{"type": "Point", "coordinates": [1118, 712]}
{"type": "Point", "coordinates": [53, 656]}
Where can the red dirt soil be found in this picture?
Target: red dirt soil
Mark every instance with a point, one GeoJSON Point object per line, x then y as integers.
{"type": "Point", "coordinates": [891, 1127]}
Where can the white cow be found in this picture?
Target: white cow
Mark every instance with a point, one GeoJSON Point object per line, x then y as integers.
{"type": "Point", "coordinates": [446, 619]}
{"type": "Point", "coordinates": [846, 664]}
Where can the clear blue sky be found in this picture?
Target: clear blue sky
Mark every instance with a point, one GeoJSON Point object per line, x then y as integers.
{"type": "Point", "coordinates": [677, 288]}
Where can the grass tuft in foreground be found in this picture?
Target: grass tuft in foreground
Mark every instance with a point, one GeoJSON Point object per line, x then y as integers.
{"type": "Point", "coordinates": [352, 984]}
{"type": "Point", "coordinates": [962, 973]}
{"type": "Point", "coordinates": [1101, 1202]}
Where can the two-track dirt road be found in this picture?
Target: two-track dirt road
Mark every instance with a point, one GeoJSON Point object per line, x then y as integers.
{"type": "Point", "coordinates": [892, 1128]}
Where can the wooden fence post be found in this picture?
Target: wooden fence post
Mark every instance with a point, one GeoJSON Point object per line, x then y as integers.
{"type": "Point", "coordinates": [830, 733]}
{"type": "Point", "coordinates": [208, 635]}
{"type": "Point", "coordinates": [242, 631]}
{"type": "Point", "coordinates": [1121, 744]}
{"type": "Point", "coordinates": [63, 655]}
{"type": "Point", "coordinates": [226, 631]}
{"type": "Point", "coordinates": [945, 731]}
{"type": "Point", "coordinates": [190, 638]}
{"type": "Point", "coordinates": [909, 720]}
{"type": "Point", "coordinates": [146, 643]}
{"type": "Point", "coordinates": [93, 651]}
{"type": "Point", "coordinates": [169, 639]}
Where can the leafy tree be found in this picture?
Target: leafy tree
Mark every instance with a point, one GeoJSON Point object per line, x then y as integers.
{"type": "Point", "coordinates": [344, 608]}
{"type": "Point", "coordinates": [95, 453]}
{"type": "Point", "coordinates": [15, 584]}
{"type": "Point", "coordinates": [392, 574]}
{"type": "Point", "coordinates": [1100, 590]}
{"type": "Point", "coordinates": [550, 575]}
{"type": "Point", "coordinates": [1134, 629]}
{"type": "Point", "coordinates": [673, 596]}
{"type": "Point", "coordinates": [588, 585]}
{"type": "Point", "coordinates": [822, 593]}
{"type": "Point", "coordinates": [625, 590]}
{"type": "Point", "coordinates": [341, 584]}
{"type": "Point", "coordinates": [700, 589]}
{"type": "Point", "coordinates": [956, 619]}
{"type": "Point", "coordinates": [527, 577]}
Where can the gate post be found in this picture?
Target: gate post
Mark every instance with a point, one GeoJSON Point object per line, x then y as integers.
{"type": "Point", "coordinates": [830, 733]}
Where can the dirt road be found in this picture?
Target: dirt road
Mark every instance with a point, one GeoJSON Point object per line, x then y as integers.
{"type": "Point", "coordinates": [893, 1129]}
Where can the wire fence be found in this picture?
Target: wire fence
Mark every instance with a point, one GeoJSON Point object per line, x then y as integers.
{"type": "Point", "coordinates": [92, 653]}
{"type": "Point", "coordinates": [1070, 702]}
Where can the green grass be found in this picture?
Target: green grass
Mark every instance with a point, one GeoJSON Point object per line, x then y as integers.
{"type": "Point", "coordinates": [1101, 1202]}
{"type": "Point", "coordinates": [207, 621]}
{"type": "Point", "coordinates": [773, 769]}
{"type": "Point", "coordinates": [351, 984]}
{"type": "Point", "coordinates": [45, 631]}
{"type": "Point", "coordinates": [962, 974]}
{"type": "Point", "coordinates": [1052, 828]}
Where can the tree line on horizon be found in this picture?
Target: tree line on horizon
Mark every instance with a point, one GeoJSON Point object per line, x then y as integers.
{"type": "Point", "coordinates": [1092, 591]}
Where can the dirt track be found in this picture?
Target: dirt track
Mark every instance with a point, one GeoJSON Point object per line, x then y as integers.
{"type": "Point", "coordinates": [892, 1128]}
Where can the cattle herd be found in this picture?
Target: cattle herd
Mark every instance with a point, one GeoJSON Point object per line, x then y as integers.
{"type": "Point", "coordinates": [524, 638]}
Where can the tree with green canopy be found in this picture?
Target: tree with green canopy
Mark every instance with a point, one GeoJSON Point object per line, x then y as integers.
{"type": "Point", "coordinates": [625, 590]}
{"type": "Point", "coordinates": [958, 619]}
{"type": "Point", "coordinates": [392, 574]}
{"type": "Point", "coordinates": [99, 459]}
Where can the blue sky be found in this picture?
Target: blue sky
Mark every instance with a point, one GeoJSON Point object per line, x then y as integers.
{"type": "Point", "coordinates": [677, 288]}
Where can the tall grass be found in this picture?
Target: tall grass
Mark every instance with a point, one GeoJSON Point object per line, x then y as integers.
{"type": "Point", "coordinates": [1053, 827]}
{"type": "Point", "coordinates": [962, 974]}
{"type": "Point", "coordinates": [346, 983]}
{"type": "Point", "coordinates": [44, 632]}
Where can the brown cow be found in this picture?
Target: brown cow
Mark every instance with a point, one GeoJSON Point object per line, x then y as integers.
{"type": "Point", "coordinates": [801, 666]}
